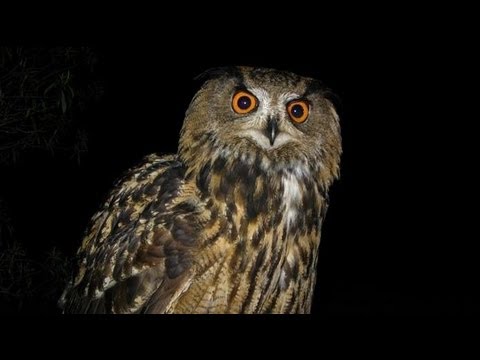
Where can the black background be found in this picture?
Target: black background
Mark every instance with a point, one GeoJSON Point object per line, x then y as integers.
{"type": "Point", "coordinates": [388, 244]}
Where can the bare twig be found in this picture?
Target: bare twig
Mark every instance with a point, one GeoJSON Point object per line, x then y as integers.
{"type": "Point", "coordinates": [40, 96]}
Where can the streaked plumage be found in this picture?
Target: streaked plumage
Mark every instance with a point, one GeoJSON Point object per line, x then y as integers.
{"type": "Point", "coordinates": [230, 224]}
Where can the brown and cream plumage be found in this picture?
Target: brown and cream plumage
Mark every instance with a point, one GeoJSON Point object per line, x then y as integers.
{"type": "Point", "coordinates": [230, 224]}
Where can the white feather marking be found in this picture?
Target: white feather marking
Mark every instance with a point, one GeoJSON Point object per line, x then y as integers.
{"type": "Point", "coordinates": [224, 152]}
{"type": "Point", "coordinates": [265, 164]}
{"type": "Point", "coordinates": [291, 196]}
{"type": "Point", "coordinates": [290, 259]}
{"type": "Point", "coordinates": [261, 140]}
{"type": "Point", "coordinates": [301, 170]}
{"type": "Point", "coordinates": [286, 98]}
{"type": "Point", "coordinates": [264, 100]}
{"type": "Point", "coordinates": [282, 281]}
{"type": "Point", "coordinates": [106, 281]}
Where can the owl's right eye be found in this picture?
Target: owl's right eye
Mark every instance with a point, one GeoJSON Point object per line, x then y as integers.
{"type": "Point", "coordinates": [243, 102]}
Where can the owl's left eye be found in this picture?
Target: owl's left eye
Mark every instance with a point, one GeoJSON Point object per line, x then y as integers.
{"type": "Point", "coordinates": [243, 102]}
{"type": "Point", "coordinates": [298, 111]}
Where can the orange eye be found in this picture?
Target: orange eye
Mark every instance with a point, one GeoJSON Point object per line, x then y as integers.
{"type": "Point", "coordinates": [243, 102]}
{"type": "Point", "coordinates": [298, 111]}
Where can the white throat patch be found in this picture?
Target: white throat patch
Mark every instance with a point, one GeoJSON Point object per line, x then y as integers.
{"type": "Point", "coordinates": [292, 196]}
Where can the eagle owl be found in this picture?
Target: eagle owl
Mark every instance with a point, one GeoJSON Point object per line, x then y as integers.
{"type": "Point", "coordinates": [229, 224]}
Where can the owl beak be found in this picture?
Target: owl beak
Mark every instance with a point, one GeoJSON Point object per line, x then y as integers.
{"type": "Point", "coordinates": [271, 131]}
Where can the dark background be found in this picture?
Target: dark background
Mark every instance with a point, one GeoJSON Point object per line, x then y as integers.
{"type": "Point", "coordinates": [387, 247]}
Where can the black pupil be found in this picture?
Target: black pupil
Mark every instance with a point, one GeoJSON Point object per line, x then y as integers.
{"type": "Point", "coordinates": [244, 102]}
{"type": "Point", "coordinates": [297, 111]}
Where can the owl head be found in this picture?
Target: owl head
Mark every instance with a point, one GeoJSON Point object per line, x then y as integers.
{"type": "Point", "coordinates": [274, 119]}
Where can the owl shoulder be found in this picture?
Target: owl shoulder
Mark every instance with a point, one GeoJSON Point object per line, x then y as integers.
{"type": "Point", "coordinates": [128, 240]}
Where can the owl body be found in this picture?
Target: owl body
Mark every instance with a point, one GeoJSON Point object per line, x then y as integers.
{"type": "Point", "coordinates": [230, 224]}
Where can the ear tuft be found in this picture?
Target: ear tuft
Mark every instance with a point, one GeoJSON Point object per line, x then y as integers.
{"type": "Point", "coordinates": [218, 72]}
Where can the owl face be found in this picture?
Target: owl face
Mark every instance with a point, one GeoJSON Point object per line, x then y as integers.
{"type": "Point", "coordinates": [245, 113]}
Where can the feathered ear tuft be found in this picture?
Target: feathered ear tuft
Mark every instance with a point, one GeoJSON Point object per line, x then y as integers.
{"type": "Point", "coordinates": [218, 72]}
{"type": "Point", "coordinates": [316, 86]}
{"type": "Point", "coordinates": [334, 100]}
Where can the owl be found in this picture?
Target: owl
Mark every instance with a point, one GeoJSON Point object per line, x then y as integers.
{"type": "Point", "coordinates": [229, 224]}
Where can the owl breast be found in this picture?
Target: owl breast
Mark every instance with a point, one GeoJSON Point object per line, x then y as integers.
{"type": "Point", "coordinates": [261, 254]}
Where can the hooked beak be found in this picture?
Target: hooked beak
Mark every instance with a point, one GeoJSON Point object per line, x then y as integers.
{"type": "Point", "coordinates": [271, 131]}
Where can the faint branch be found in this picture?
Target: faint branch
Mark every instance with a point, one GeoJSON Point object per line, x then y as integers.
{"type": "Point", "coordinates": [22, 278]}
{"type": "Point", "coordinates": [42, 95]}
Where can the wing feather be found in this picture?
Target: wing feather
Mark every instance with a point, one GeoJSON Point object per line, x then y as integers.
{"type": "Point", "coordinates": [136, 254]}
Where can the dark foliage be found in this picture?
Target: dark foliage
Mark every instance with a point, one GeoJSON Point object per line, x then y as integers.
{"type": "Point", "coordinates": [43, 94]}
{"type": "Point", "coordinates": [42, 91]}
